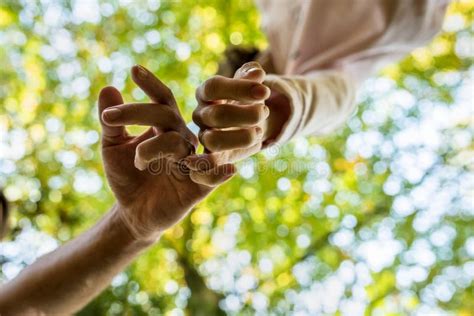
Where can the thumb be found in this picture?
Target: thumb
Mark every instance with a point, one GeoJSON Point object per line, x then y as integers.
{"type": "Point", "coordinates": [251, 71]}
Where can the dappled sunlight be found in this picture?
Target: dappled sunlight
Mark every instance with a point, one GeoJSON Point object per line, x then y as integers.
{"type": "Point", "coordinates": [374, 219]}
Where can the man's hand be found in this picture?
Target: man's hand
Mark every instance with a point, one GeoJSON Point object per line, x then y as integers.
{"type": "Point", "coordinates": [232, 116]}
{"type": "Point", "coordinates": [149, 200]}
{"type": "Point", "coordinates": [153, 189]}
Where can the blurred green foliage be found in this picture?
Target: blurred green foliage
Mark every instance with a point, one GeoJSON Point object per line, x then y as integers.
{"type": "Point", "coordinates": [376, 218]}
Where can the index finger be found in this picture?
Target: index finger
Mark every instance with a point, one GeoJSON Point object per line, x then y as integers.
{"type": "Point", "coordinates": [208, 161]}
{"type": "Point", "coordinates": [152, 86]}
{"type": "Point", "coordinates": [160, 93]}
{"type": "Point", "coordinates": [222, 88]}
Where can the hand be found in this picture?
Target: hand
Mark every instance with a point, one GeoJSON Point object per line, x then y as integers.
{"type": "Point", "coordinates": [232, 116]}
{"type": "Point", "coordinates": [153, 190]}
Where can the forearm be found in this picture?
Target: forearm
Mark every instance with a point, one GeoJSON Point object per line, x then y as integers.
{"type": "Point", "coordinates": [65, 280]}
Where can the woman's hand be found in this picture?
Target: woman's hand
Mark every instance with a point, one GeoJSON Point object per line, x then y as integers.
{"type": "Point", "coordinates": [153, 189]}
{"type": "Point", "coordinates": [232, 116]}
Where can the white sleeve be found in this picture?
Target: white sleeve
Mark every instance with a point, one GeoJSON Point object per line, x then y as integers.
{"type": "Point", "coordinates": [319, 102]}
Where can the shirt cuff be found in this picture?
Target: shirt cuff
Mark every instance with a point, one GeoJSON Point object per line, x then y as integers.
{"type": "Point", "coordinates": [280, 86]}
{"type": "Point", "coordinates": [319, 102]}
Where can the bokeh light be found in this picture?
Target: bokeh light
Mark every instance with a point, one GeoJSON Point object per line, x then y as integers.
{"type": "Point", "coordinates": [374, 219]}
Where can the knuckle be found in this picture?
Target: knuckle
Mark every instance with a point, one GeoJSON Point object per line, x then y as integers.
{"type": "Point", "coordinates": [248, 137]}
{"type": "Point", "coordinates": [203, 139]}
{"type": "Point", "coordinates": [210, 141]}
{"type": "Point", "coordinates": [174, 137]}
{"type": "Point", "coordinates": [255, 115]}
{"type": "Point", "coordinates": [196, 116]}
{"type": "Point", "coordinates": [210, 87]}
{"type": "Point", "coordinates": [173, 117]}
{"type": "Point", "coordinates": [217, 115]}
{"type": "Point", "coordinates": [201, 134]}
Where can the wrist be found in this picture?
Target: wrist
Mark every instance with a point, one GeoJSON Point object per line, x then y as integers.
{"type": "Point", "coordinates": [128, 229]}
{"type": "Point", "coordinates": [280, 111]}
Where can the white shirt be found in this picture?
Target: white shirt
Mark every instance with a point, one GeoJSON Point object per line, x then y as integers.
{"type": "Point", "coordinates": [323, 49]}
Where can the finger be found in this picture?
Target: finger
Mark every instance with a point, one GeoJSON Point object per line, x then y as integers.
{"type": "Point", "coordinates": [160, 93]}
{"type": "Point", "coordinates": [211, 160]}
{"type": "Point", "coordinates": [109, 97]}
{"type": "Point", "coordinates": [214, 177]}
{"type": "Point", "coordinates": [222, 88]}
{"type": "Point", "coordinates": [220, 140]}
{"type": "Point", "coordinates": [171, 146]}
{"type": "Point", "coordinates": [152, 86]}
{"type": "Point", "coordinates": [230, 115]}
{"type": "Point", "coordinates": [146, 114]}
{"type": "Point", "coordinates": [251, 71]}
{"type": "Point", "coordinates": [149, 114]}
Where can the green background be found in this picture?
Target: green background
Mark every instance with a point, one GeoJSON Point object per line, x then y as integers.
{"type": "Point", "coordinates": [374, 219]}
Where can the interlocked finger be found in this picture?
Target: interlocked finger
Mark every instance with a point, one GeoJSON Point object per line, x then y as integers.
{"type": "Point", "coordinates": [170, 146]}
{"type": "Point", "coordinates": [222, 88]}
{"type": "Point", "coordinates": [230, 115]}
{"type": "Point", "coordinates": [213, 177]}
{"type": "Point", "coordinates": [220, 140]}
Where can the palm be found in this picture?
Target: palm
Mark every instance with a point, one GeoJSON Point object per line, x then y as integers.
{"type": "Point", "coordinates": [147, 190]}
{"type": "Point", "coordinates": [151, 200]}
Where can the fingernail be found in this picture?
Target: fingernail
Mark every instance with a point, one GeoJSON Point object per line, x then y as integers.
{"type": "Point", "coordinates": [258, 92]}
{"type": "Point", "coordinates": [249, 70]}
{"type": "Point", "coordinates": [142, 73]}
{"type": "Point", "coordinates": [266, 111]}
{"type": "Point", "coordinates": [112, 114]}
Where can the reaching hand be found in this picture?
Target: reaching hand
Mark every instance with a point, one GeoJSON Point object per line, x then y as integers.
{"type": "Point", "coordinates": [153, 189]}
{"type": "Point", "coordinates": [232, 116]}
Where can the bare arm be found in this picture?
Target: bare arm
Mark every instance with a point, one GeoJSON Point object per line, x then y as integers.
{"type": "Point", "coordinates": [149, 200]}
{"type": "Point", "coordinates": [65, 280]}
